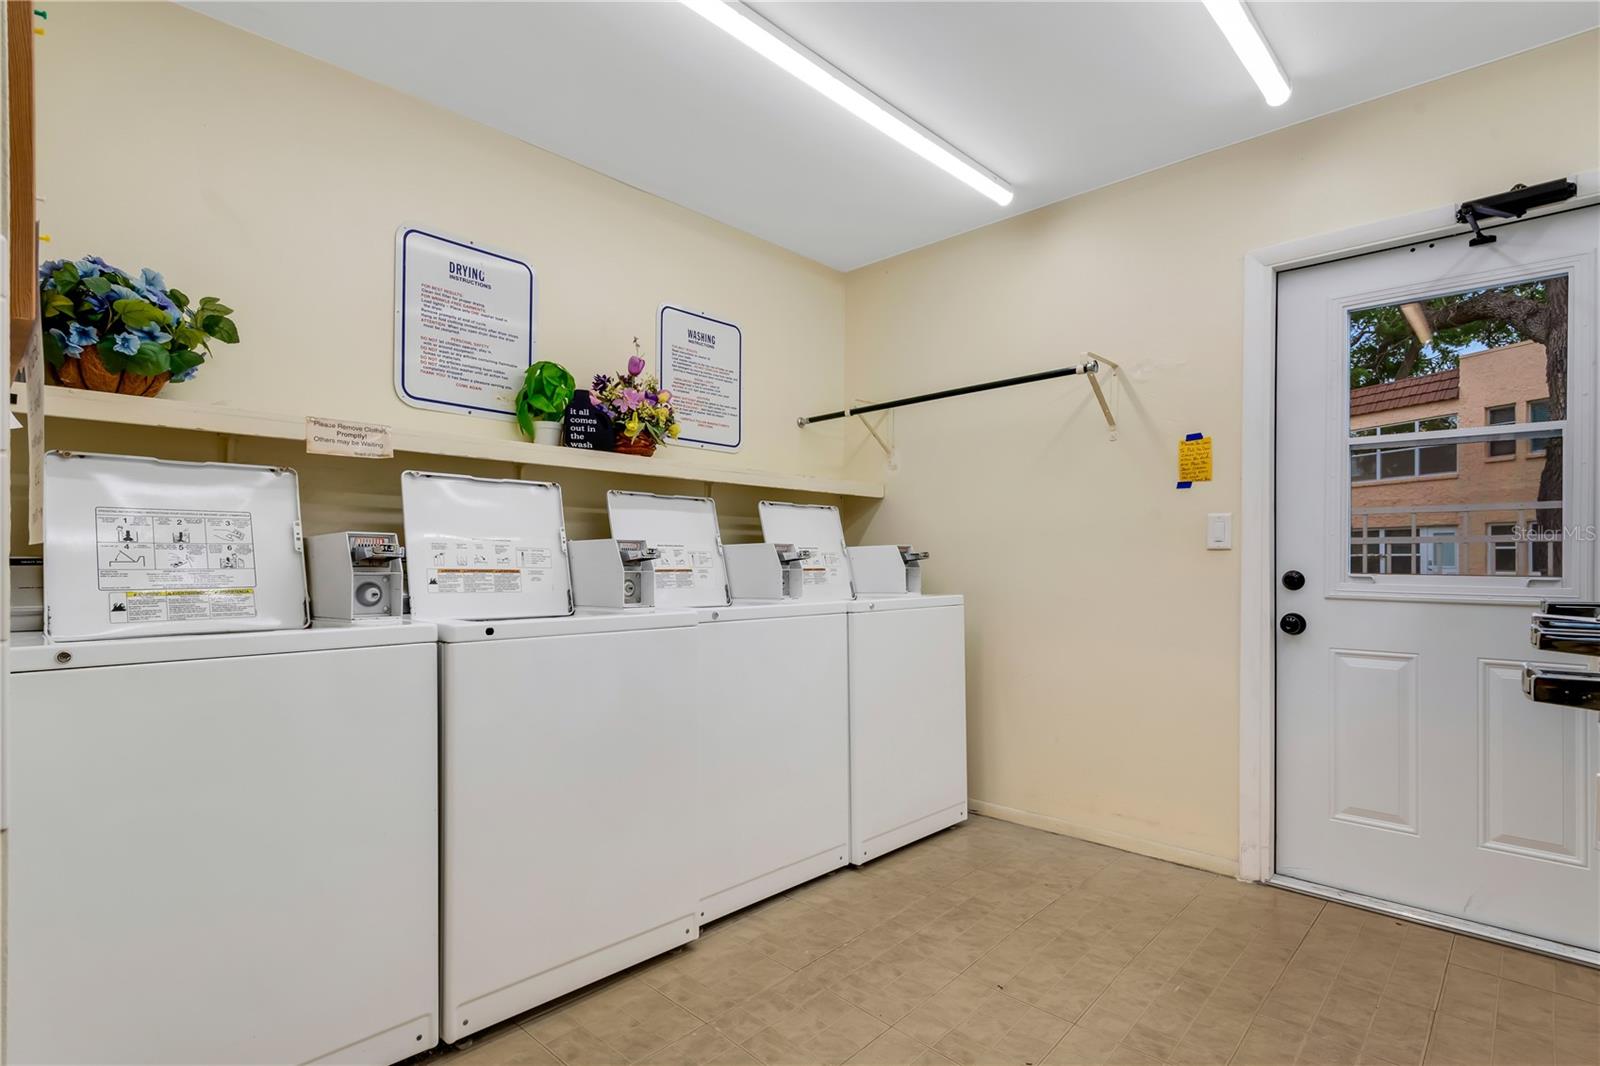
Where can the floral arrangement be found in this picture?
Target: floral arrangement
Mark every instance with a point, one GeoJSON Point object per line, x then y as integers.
{"type": "Point", "coordinates": [636, 403]}
{"type": "Point", "coordinates": [101, 322]}
{"type": "Point", "coordinates": [546, 390]}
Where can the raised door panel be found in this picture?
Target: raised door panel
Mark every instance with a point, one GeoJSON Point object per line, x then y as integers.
{"type": "Point", "coordinates": [1374, 742]}
{"type": "Point", "coordinates": [1534, 774]}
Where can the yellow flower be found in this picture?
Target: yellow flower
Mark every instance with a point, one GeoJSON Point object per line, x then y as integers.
{"type": "Point", "coordinates": [632, 428]}
{"type": "Point", "coordinates": [663, 412]}
{"type": "Point", "coordinates": [672, 430]}
{"type": "Point", "coordinates": [664, 396]}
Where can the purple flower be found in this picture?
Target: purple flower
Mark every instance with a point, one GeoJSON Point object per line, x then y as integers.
{"type": "Point", "coordinates": [635, 368]}
{"type": "Point", "coordinates": [600, 384]}
{"type": "Point", "coordinates": [631, 398]}
{"type": "Point", "coordinates": [652, 398]}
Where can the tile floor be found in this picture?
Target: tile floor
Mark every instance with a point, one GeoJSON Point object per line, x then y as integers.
{"type": "Point", "coordinates": [995, 944]}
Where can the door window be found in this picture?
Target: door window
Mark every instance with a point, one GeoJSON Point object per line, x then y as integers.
{"type": "Point", "coordinates": [1447, 478]}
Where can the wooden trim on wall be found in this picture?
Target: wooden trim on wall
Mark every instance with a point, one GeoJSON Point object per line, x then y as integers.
{"type": "Point", "coordinates": [24, 215]}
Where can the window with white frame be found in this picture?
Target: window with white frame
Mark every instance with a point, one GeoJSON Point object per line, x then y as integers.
{"type": "Point", "coordinates": [1417, 460]}
{"type": "Point", "coordinates": [1396, 550]}
{"type": "Point", "coordinates": [1504, 415]}
{"type": "Point", "coordinates": [1440, 554]}
{"type": "Point", "coordinates": [1502, 547]}
{"type": "Point", "coordinates": [1538, 411]}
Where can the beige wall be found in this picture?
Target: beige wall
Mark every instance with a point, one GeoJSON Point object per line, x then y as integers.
{"type": "Point", "coordinates": [1103, 638]}
{"type": "Point", "coordinates": [253, 173]}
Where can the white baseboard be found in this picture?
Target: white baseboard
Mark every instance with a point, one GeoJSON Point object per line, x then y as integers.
{"type": "Point", "coordinates": [1228, 866]}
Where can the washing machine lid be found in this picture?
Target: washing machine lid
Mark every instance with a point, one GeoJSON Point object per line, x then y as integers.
{"type": "Point", "coordinates": [34, 652]}
{"type": "Point", "coordinates": [482, 548]}
{"type": "Point", "coordinates": [755, 610]}
{"type": "Point", "coordinates": [815, 528]}
{"type": "Point", "coordinates": [690, 568]}
{"type": "Point", "coordinates": [583, 622]}
{"type": "Point", "coordinates": [138, 547]}
{"type": "Point", "coordinates": [905, 601]}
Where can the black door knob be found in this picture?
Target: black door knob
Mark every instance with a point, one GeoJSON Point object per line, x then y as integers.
{"type": "Point", "coordinates": [1294, 580]}
{"type": "Point", "coordinates": [1292, 624]}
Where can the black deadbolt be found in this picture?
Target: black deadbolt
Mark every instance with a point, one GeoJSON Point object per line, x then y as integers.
{"type": "Point", "coordinates": [1294, 580]}
{"type": "Point", "coordinates": [1292, 624]}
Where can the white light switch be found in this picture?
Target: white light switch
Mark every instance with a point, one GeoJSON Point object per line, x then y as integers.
{"type": "Point", "coordinates": [1219, 532]}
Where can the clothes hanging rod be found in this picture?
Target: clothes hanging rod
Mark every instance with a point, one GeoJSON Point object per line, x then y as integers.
{"type": "Point", "coordinates": [1091, 366]}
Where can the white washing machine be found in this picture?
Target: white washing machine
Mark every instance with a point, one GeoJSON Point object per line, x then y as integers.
{"type": "Point", "coordinates": [773, 701]}
{"type": "Point", "coordinates": [568, 771]}
{"type": "Point", "coordinates": [222, 847]}
{"type": "Point", "coordinates": [907, 663]}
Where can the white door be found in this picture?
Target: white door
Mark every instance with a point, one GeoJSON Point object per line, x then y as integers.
{"type": "Point", "coordinates": [1436, 478]}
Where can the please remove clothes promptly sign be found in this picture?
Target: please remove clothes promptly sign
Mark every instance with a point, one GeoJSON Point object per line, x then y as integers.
{"type": "Point", "coordinates": [1194, 459]}
{"type": "Point", "coordinates": [333, 436]}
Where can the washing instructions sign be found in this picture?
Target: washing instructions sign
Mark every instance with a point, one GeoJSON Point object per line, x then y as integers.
{"type": "Point", "coordinates": [683, 568]}
{"type": "Point", "coordinates": [165, 565]}
{"type": "Point", "coordinates": [1194, 459]}
{"type": "Point", "coordinates": [702, 366]}
{"type": "Point", "coordinates": [486, 566]}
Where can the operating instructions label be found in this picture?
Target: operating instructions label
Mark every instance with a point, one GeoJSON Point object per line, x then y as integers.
{"type": "Point", "coordinates": [492, 566]}
{"type": "Point", "coordinates": [168, 565]}
{"type": "Point", "coordinates": [686, 569]}
{"type": "Point", "coordinates": [822, 567]}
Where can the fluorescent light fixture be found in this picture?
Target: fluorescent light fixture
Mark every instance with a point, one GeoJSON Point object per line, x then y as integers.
{"type": "Point", "coordinates": [755, 34]}
{"type": "Point", "coordinates": [1244, 35]}
{"type": "Point", "coordinates": [1417, 319]}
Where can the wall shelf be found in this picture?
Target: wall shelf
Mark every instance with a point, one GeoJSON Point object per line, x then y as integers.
{"type": "Point", "coordinates": [237, 422]}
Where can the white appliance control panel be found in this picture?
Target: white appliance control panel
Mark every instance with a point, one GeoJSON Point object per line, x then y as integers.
{"type": "Point", "coordinates": [614, 573]}
{"type": "Point", "coordinates": [357, 577]}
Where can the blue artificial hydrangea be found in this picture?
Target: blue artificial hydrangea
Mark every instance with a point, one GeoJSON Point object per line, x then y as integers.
{"type": "Point", "coordinates": [149, 279]}
{"type": "Point", "coordinates": [161, 300]}
{"type": "Point", "coordinates": [80, 336]}
{"type": "Point", "coordinates": [127, 343]}
{"type": "Point", "coordinates": [153, 332]}
{"type": "Point", "coordinates": [66, 344]}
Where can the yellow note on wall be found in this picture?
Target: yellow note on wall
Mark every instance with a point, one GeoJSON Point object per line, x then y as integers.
{"type": "Point", "coordinates": [1194, 460]}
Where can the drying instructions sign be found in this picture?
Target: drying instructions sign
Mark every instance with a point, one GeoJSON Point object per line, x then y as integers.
{"type": "Point", "coordinates": [463, 325]}
{"type": "Point", "coordinates": [479, 566]}
{"type": "Point", "coordinates": [162, 565]}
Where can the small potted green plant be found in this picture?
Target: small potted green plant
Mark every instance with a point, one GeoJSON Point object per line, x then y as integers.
{"type": "Point", "coordinates": [546, 390]}
{"type": "Point", "coordinates": [112, 331]}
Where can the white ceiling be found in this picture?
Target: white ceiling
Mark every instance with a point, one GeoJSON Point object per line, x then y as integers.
{"type": "Point", "coordinates": [1055, 98]}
